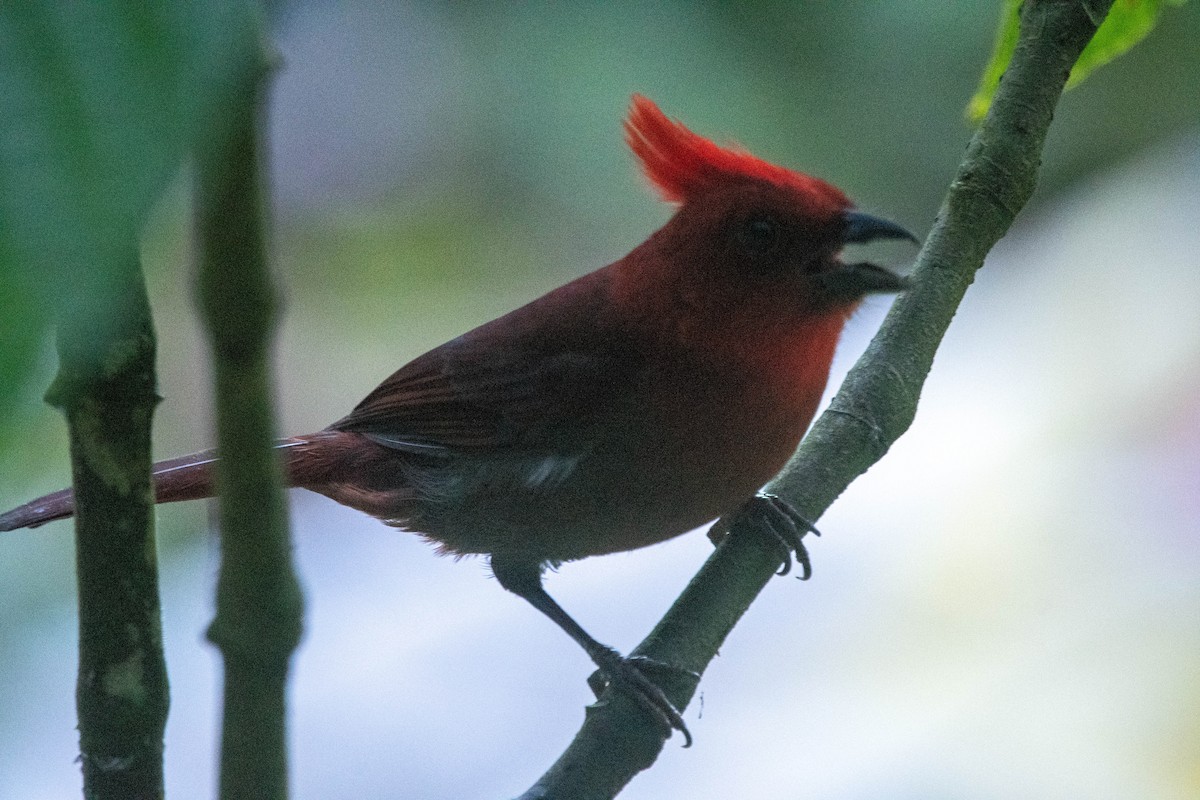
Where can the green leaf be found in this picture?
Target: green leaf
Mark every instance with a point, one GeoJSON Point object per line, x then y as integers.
{"type": "Point", "coordinates": [1002, 50]}
{"type": "Point", "coordinates": [101, 103]}
{"type": "Point", "coordinates": [1127, 23]}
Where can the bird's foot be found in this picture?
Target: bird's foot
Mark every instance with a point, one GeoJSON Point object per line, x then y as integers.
{"type": "Point", "coordinates": [630, 675]}
{"type": "Point", "coordinates": [781, 524]}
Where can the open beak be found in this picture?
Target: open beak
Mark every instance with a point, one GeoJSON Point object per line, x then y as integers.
{"type": "Point", "coordinates": [855, 280]}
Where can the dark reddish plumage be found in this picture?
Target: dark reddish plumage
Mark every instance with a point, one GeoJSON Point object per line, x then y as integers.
{"type": "Point", "coordinates": [626, 407]}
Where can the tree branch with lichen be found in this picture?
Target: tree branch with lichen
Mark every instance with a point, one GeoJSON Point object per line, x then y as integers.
{"type": "Point", "coordinates": [872, 409]}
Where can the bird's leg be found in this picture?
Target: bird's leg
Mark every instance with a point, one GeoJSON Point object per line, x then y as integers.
{"type": "Point", "coordinates": [626, 674]}
{"type": "Point", "coordinates": [779, 522]}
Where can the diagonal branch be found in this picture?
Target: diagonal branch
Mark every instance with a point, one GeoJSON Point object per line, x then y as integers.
{"type": "Point", "coordinates": [875, 405]}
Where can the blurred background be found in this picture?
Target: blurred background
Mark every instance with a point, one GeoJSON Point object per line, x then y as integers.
{"type": "Point", "coordinates": [1008, 606]}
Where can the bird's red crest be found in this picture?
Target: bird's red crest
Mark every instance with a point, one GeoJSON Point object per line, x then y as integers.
{"type": "Point", "coordinates": [682, 164]}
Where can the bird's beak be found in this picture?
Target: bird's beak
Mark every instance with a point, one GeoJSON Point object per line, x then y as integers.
{"type": "Point", "coordinates": [862, 228]}
{"type": "Point", "coordinates": [855, 280]}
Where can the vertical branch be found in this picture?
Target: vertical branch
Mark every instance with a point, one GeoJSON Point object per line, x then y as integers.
{"type": "Point", "coordinates": [106, 389]}
{"type": "Point", "coordinates": [259, 606]}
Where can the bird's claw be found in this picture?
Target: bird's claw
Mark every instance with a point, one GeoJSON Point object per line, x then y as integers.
{"type": "Point", "coordinates": [784, 528]}
{"type": "Point", "coordinates": [629, 675]}
{"type": "Point", "coordinates": [597, 681]}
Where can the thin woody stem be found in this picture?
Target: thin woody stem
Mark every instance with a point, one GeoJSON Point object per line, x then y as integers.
{"type": "Point", "coordinates": [258, 621]}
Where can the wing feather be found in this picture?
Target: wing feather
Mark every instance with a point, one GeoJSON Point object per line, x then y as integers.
{"type": "Point", "coordinates": [528, 382]}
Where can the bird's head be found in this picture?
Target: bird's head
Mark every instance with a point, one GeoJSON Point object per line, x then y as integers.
{"type": "Point", "coordinates": [749, 228]}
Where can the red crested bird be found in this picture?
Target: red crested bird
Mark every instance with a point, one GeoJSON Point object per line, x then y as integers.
{"type": "Point", "coordinates": [633, 404]}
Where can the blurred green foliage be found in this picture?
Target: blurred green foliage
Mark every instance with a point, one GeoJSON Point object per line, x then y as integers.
{"type": "Point", "coordinates": [101, 103]}
{"type": "Point", "coordinates": [1129, 22]}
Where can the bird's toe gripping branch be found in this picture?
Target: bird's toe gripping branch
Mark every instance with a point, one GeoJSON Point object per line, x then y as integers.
{"type": "Point", "coordinates": [782, 525]}
{"type": "Point", "coordinates": [630, 676]}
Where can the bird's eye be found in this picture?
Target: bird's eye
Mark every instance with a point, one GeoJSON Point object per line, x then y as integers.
{"type": "Point", "coordinates": [758, 234]}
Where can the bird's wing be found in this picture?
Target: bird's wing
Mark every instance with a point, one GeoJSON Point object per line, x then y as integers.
{"type": "Point", "coordinates": [510, 385]}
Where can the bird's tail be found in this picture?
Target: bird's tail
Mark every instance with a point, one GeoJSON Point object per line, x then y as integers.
{"type": "Point", "coordinates": [306, 461]}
